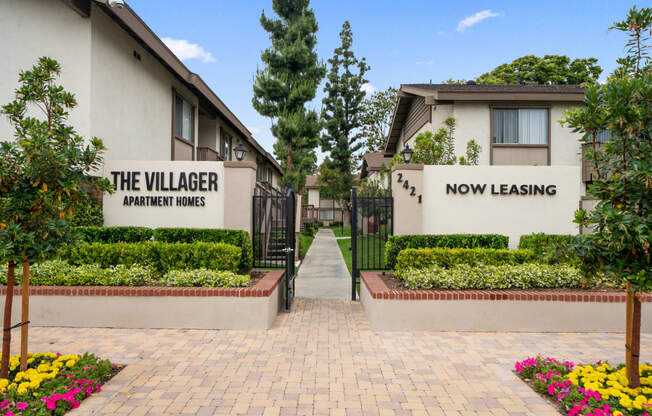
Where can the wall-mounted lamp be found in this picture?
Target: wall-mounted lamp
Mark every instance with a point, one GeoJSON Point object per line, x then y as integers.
{"type": "Point", "coordinates": [240, 152]}
{"type": "Point", "coordinates": [407, 154]}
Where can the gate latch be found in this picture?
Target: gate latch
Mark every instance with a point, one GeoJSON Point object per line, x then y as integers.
{"type": "Point", "coordinates": [287, 250]}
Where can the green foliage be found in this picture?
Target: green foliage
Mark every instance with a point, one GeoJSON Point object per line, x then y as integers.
{"type": "Point", "coordinates": [87, 213]}
{"type": "Point", "coordinates": [472, 157]}
{"type": "Point", "coordinates": [43, 169]}
{"type": "Point", "coordinates": [436, 148]}
{"type": "Point", "coordinates": [205, 278]}
{"type": "Point", "coordinates": [439, 148]}
{"type": "Point", "coordinates": [376, 115]}
{"type": "Point", "coordinates": [544, 245]}
{"type": "Point", "coordinates": [288, 81]}
{"type": "Point", "coordinates": [464, 276]}
{"type": "Point", "coordinates": [422, 258]}
{"type": "Point", "coordinates": [114, 234]}
{"type": "Point", "coordinates": [342, 117]}
{"type": "Point", "coordinates": [551, 69]}
{"type": "Point", "coordinates": [397, 243]}
{"type": "Point", "coordinates": [238, 238]}
{"type": "Point", "coordinates": [310, 229]}
{"type": "Point", "coordinates": [161, 257]}
{"type": "Point", "coordinates": [621, 221]}
{"type": "Point", "coordinates": [305, 241]}
{"type": "Point", "coordinates": [60, 273]}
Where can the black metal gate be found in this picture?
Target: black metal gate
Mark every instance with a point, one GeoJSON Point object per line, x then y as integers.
{"type": "Point", "coordinates": [372, 222]}
{"type": "Point", "coordinates": [273, 234]}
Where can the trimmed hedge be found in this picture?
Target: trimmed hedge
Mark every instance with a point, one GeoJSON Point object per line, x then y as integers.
{"type": "Point", "coordinates": [396, 243]}
{"type": "Point", "coordinates": [464, 276]}
{"type": "Point", "coordinates": [60, 273]}
{"type": "Point", "coordinates": [541, 243]}
{"type": "Point", "coordinates": [114, 234]}
{"type": "Point", "coordinates": [422, 258]}
{"type": "Point", "coordinates": [236, 238]}
{"type": "Point", "coordinates": [161, 257]}
{"type": "Point", "coordinates": [205, 278]}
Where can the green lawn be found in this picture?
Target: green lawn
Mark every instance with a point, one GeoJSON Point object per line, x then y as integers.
{"type": "Point", "coordinates": [304, 244]}
{"type": "Point", "coordinates": [373, 246]}
{"type": "Point", "coordinates": [341, 232]}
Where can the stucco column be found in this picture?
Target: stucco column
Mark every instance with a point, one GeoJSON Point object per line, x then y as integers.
{"type": "Point", "coordinates": [408, 210]}
{"type": "Point", "coordinates": [239, 186]}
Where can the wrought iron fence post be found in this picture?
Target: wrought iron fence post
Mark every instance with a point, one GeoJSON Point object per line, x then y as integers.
{"type": "Point", "coordinates": [354, 242]}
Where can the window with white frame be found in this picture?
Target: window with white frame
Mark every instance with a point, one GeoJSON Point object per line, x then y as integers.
{"type": "Point", "coordinates": [184, 119]}
{"type": "Point", "coordinates": [227, 142]}
{"type": "Point", "coordinates": [326, 215]}
{"type": "Point", "coordinates": [520, 126]}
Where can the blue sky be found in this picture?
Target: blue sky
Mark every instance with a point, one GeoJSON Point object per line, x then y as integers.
{"type": "Point", "coordinates": [407, 41]}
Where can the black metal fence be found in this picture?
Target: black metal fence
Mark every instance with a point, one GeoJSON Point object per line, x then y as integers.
{"type": "Point", "coordinates": [273, 234]}
{"type": "Point", "coordinates": [269, 229]}
{"type": "Point", "coordinates": [372, 222]}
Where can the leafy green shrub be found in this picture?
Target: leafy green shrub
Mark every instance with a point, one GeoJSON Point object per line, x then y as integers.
{"type": "Point", "coordinates": [464, 276]}
{"type": "Point", "coordinates": [422, 258]}
{"type": "Point", "coordinates": [545, 246]}
{"type": "Point", "coordinates": [310, 229]}
{"type": "Point", "coordinates": [236, 238]}
{"type": "Point", "coordinates": [162, 257]}
{"type": "Point", "coordinates": [87, 213]}
{"type": "Point", "coordinates": [114, 234]}
{"type": "Point", "coordinates": [205, 277]}
{"type": "Point", "coordinates": [60, 273]}
{"type": "Point", "coordinates": [396, 243]}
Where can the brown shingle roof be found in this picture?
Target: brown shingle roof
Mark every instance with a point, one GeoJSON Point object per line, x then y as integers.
{"type": "Point", "coordinates": [372, 162]}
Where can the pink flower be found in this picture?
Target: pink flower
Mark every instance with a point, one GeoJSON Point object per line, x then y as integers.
{"type": "Point", "coordinates": [21, 406]}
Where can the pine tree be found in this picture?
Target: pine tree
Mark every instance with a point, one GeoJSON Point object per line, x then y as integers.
{"type": "Point", "coordinates": [289, 80]}
{"type": "Point", "coordinates": [341, 114]}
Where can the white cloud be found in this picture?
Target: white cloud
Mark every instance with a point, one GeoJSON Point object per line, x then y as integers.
{"type": "Point", "coordinates": [185, 50]}
{"type": "Point", "coordinates": [255, 130]}
{"type": "Point", "coordinates": [476, 18]}
{"type": "Point", "coordinates": [368, 88]}
{"type": "Point", "coordinates": [426, 62]}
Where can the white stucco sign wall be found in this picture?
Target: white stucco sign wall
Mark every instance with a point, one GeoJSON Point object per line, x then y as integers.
{"type": "Point", "coordinates": [165, 194]}
{"type": "Point", "coordinates": [508, 200]}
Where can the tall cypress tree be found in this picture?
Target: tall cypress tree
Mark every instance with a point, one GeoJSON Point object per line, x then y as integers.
{"type": "Point", "coordinates": [341, 114]}
{"type": "Point", "coordinates": [289, 80]}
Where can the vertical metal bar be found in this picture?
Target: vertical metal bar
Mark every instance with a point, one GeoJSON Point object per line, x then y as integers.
{"type": "Point", "coordinates": [354, 240]}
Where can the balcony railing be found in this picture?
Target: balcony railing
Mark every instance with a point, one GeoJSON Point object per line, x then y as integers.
{"type": "Point", "coordinates": [206, 153]}
{"type": "Point", "coordinates": [588, 167]}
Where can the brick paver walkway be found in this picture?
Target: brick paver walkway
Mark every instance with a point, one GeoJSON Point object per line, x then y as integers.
{"type": "Point", "coordinates": [320, 359]}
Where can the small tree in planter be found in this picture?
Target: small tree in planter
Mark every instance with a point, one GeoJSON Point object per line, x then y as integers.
{"type": "Point", "coordinates": [621, 221]}
{"type": "Point", "coordinates": [42, 172]}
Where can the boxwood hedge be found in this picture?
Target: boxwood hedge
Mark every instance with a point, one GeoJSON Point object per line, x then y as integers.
{"type": "Point", "coordinates": [423, 258]}
{"type": "Point", "coordinates": [396, 243]}
{"type": "Point", "coordinates": [236, 238]}
{"type": "Point", "coordinates": [161, 257]}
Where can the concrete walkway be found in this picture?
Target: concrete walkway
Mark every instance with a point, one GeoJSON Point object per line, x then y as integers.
{"type": "Point", "coordinates": [323, 273]}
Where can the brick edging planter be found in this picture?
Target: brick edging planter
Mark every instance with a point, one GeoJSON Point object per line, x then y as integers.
{"type": "Point", "coordinates": [379, 290]}
{"type": "Point", "coordinates": [263, 288]}
{"type": "Point", "coordinates": [495, 310]}
{"type": "Point", "coordinates": [251, 308]}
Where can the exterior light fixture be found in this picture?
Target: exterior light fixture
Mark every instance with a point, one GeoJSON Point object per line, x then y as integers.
{"type": "Point", "coordinates": [407, 154]}
{"type": "Point", "coordinates": [240, 152]}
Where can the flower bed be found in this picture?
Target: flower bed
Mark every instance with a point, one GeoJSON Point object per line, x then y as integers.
{"type": "Point", "coordinates": [594, 389]}
{"type": "Point", "coordinates": [52, 383]}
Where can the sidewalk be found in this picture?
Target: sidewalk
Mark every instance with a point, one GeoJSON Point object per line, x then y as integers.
{"type": "Point", "coordinates": [323, 273]}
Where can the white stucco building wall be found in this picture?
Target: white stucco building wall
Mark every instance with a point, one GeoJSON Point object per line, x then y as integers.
{"type": "Point", "coordinates": [473, 123]}
{"type": "Point", "coordinates": [35, 28]}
